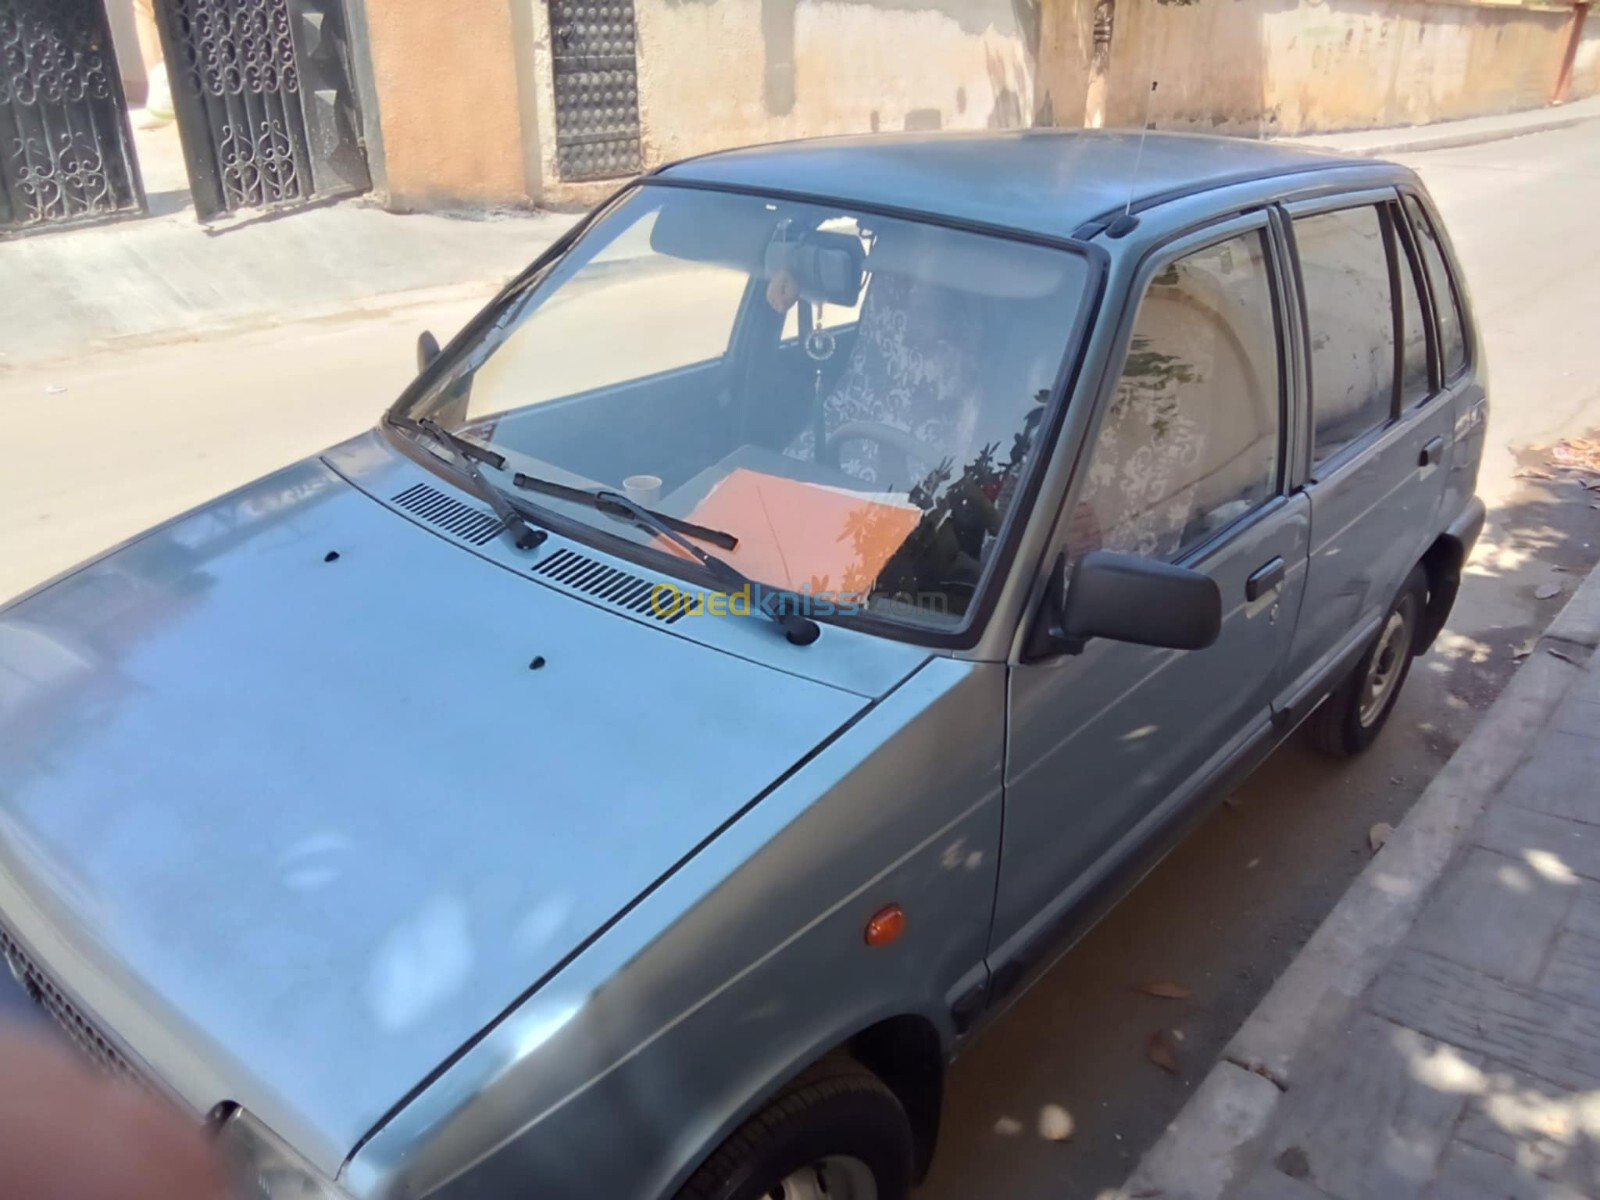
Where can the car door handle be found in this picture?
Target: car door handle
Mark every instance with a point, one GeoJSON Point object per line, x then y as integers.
{"type": "Point", "coordinates": [1431, 453]}
{"type": "Point", "coordinates": [1264, 580]}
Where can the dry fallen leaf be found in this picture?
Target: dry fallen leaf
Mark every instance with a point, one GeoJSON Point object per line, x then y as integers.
{"type": "Point", "coordinates": [1166, 989]}
{"type": "Point", "coordinates": [1056, 1123]}
{"type": "Point", "coordinates": [1378, 835]}
{"type": "Point", "coordinates": [1162, 1052]}
{"type": "Point", "coordinates": [1546, 590]}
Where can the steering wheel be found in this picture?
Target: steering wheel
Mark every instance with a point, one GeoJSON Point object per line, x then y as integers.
{"type": "Point", "coordinates": [905, 448]}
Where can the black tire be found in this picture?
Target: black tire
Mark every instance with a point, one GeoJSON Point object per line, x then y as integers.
{"type": "Point", "coordinates": [1339, 726]}
{"type": "Point", "coordinates": [834, 1109]}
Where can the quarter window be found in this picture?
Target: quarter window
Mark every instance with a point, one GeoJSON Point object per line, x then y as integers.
{"type": "Point", "coordinates": [1452, 343]}
{"type": "Point", "coordinates": [1415, 385]}
{"type": "Point", "coordinates": [1190, 442]}
{"type": "Point", "coordinates": [1344, 269]}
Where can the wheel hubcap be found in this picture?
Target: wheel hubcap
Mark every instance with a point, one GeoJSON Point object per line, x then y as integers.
{"type": "Point", "coordinates": [1386, 667]}
{"type": "Point", "coordinates": [837, 1177]}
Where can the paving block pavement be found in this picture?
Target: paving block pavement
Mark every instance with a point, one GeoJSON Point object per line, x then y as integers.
{"type": "Point", "coordinates": [1438, 1038]}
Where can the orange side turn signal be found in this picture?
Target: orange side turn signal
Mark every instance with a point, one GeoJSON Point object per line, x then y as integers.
{"type": "Point", "coordinates": [886, 926]}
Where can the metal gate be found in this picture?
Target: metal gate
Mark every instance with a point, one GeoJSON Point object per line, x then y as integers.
{"type": "Point", "coordinates": [265, 106]}
{"type": "Point", "coordinates": [65, 148]}
{"type": "Point", "coordinates": [593, 53]}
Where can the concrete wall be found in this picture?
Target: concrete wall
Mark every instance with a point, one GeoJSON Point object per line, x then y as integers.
{"type": "Point", "coordinates": [1586, 63]}
{"type": "Point", "coordinates": [715, 73]}
{"type": "Point", "coordinates": [1261, 67]}
{"type": "Point", "coordinates": [465, 104]}
{"type": "Point", "coordinates": [450, 103]}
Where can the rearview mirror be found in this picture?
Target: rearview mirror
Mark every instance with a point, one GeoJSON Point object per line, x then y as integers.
{"type": "Point", "coordinates": [1130, 599]}
{"type": "Point", "coordinates": [427, 350]}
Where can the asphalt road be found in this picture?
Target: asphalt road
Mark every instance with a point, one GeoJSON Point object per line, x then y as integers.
{"type": "Point", "coordinates": [124, 439]}
{"type": "Point", "coordinates": [1225, 913]}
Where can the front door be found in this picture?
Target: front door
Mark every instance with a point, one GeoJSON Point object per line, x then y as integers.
{"type": "Point", "coordinates": [266, 109]}
{"type": "Point", "coordinates": [1186, 465]}
{"type": "Point", "coordinates": [66, 155]}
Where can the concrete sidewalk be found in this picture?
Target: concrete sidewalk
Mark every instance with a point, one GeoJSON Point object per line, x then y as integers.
{"type": "Point", "coordinates": [67, 293]}
{"type": "Point", "coordinates": [1442, 135]}
{"type": "Point", "coordinates": [1439, 1035]}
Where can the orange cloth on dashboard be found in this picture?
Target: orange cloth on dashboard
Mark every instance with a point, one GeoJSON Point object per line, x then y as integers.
{"type": "Point", "coordinates": [792, 533]}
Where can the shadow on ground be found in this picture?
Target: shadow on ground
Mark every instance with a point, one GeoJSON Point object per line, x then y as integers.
{"type": "Point", "coordinates": [1225, 913]}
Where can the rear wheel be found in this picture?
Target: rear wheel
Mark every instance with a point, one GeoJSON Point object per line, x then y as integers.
{"type": "Point", "coordinates": [1350, 719]}
{"type": "Point", "coordinates": [834, 1133]}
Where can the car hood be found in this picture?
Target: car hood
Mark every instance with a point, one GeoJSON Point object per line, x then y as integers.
{"type": "Point", "coordinates": [284, 769]}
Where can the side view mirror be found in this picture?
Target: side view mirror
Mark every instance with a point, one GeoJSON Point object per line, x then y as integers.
{"type": "Point", "coordinates": [427, 350]}
{"type": "Point", "coordinates": [1130, 599]}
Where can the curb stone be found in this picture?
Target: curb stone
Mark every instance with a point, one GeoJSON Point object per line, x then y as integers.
{"type": "Point", "coordinates": [1445, 135]}
{"type": "Point", "coordinates": [1199, 1156]}
{"type": "Point", "coordinates": [1398, 143]}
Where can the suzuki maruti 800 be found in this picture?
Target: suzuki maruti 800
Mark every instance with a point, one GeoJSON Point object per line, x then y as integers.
{"type": "Point", "coordinates": [745, 657]}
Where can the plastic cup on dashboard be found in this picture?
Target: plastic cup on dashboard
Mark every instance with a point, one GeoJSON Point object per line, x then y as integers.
{"type": "Point", "coordinates": [642, 489]}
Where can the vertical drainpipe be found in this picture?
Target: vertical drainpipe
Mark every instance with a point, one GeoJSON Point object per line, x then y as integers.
{"type": "Point", "coordinates": [525, 41]}
{"type": "Point", "coordinates": [1580, 13]}
{"type": "Point", "coordinates": [1094, 102]}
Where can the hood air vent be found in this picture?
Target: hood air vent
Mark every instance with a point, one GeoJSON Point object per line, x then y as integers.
{"type": "Point", "coordinates": [471, 525]}
{"type": "Point", "coordinates": [579, 573]}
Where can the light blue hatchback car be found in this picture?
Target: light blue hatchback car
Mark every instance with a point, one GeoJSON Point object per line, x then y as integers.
{"type": "Point", "coordinates": [748, 655]}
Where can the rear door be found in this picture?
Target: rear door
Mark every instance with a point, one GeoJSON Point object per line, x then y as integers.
{"type": "Point", "coordinates": [1379, 425]}
{"type": "Point", "coordinates": [1456, 354]}
{"type": "Point", "coordinates": [1185, 465]}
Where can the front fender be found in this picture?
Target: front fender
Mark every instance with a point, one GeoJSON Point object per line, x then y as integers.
{"type": "Point", "coordinates": [620, 1074]}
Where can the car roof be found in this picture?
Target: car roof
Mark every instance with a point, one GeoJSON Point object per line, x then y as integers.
{"type": "Point", "coordinates": [1048, 181]}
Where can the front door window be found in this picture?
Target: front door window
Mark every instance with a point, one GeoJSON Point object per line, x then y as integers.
{"type": "Point", "coordinates": [1191, 441]}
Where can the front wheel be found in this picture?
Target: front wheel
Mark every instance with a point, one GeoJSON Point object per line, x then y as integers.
{"type": "Point", "coordinates": [1350, 719]}
{"type": "Point", "coordinates": [834, 1133]}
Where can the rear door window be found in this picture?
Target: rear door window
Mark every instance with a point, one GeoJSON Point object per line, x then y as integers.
{"type": "Point", "coordinates": [1452, 341]}
{"type": "Point", "coordinates": [1344, 271]}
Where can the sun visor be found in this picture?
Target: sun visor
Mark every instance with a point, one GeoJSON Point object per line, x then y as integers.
{"type": "Point", "coordinates": [724, 230]}
{"type": "Point", "coordinates": [981, 265]}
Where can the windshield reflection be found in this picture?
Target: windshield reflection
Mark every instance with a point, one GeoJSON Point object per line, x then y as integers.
{"type": "Point", "coordinates": [856, 398]}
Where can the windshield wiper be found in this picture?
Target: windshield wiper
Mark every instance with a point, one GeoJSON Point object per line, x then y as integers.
{"type": "Point", "coordinates": [615, 504]}
{"type": "Point", "coordinates": [468, 455]}
{"type": "Point", "coordinates": [800, 630]}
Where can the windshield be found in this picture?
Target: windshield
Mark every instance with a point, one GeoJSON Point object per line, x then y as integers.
{"type": "Point", "coordinates": [855, 398]}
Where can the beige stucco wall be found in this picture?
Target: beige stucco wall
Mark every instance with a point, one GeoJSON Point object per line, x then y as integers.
{"type": "Point", "coordinates": [449, 103]}
{"type": "Point", "coordinates": [715, 73]}
{"type": "Point", "coordinates": [1061, 79]}
{"type": "Point", "coordinates": [466, 101]}
{"type": "Point", "coordinates": [1586, 63]}
{"type": "Point", "coordinates": [1277, 66]}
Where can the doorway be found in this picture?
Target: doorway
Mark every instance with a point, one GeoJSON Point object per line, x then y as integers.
{"type": "Point", "coordinates": [238, 106]}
